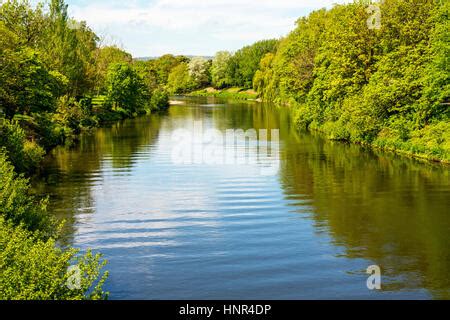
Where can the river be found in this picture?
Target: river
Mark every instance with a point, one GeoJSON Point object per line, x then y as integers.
{"type": "Point", "coordinates": [194, 229]}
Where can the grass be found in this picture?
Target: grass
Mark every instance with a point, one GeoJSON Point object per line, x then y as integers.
{"type": "Point", "coordinates": [229, 93]}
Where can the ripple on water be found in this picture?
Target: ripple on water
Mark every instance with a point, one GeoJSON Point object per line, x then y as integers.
{"type": "Point", "coordinates": [217, 232]}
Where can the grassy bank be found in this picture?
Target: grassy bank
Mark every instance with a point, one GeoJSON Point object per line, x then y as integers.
{"type": "Point", "coordinates": [228, 93]}
{"type": "Point", "coordinates": [431, 143]}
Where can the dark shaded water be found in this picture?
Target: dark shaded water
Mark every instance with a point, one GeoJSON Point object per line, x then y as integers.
{"type": "Point", "coordinates": [196, 231]}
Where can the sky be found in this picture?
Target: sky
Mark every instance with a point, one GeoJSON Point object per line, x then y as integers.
{"type": "Point", "coordinates": [190, 27]}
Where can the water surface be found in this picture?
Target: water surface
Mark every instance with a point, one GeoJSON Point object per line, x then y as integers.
{"type": "Point", "coordinates": [196, 231]}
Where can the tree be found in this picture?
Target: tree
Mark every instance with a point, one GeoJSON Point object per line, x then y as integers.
{"type": "Point", "coordinates": [179, 80]}
{"type": "Point", "coordinates": [37, 269]}
{"type": "Point", "coordinates": [148, 75]}
{"type": "Point", "coordinates": [245, 62]}
{"type": "Point", "coordinates": [27, 86]}
{"type": "Point", "coordinates": [388, 87]}
{"type": "Point", "coordinates": [263, 81]}
{"type": "Point", "coordinates": [104, 57]}
{"type": "Point", "coordinates": [159, 100]}
{"type": "Point", "coordinates": [292, 67]}
{"type": "Point", "coordinates": [199, 71]}
{"type": "Point", "coordinates": [16, 205]}
{"type": "Point", "coordinates": [26, 23]}
{"type": "Point", "coordinates": [219, 69]}
{"type": "Point", "coordinates": [8, 40]}
{"type": "Point", "coordinates": [124, 88]}
{"type": "Point", "coordinates": [164, 65]}
{"type": "Point", "coordinates": [68, 47]}
{"type": "Point", "coordinates": [32, 266]}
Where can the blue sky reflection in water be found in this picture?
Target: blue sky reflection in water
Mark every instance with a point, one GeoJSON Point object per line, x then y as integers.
{"type": "Point", "coordinates": [224, 232]}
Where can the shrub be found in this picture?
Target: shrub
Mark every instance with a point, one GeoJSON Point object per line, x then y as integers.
{"type": "Point", "coordinates": [34, 153]}
{"type": "Point", "coordinates": [71, 113]}
{"type": "Point", "coordinates": [35, 269]}
{"type": "Point", "coordinates": [17, 206]}
{"type": "Point", "coordinates": [23, 154]}
{"type": "Point", "coordinates": [159, 100]}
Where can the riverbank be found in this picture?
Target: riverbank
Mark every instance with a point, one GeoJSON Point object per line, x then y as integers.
{"type": "Point", "coordinates": [431, 144]}
{"type": "Point", "coordinates": [350, 189]}
{"type": "Point", "coordinates": [421, 146]}
{"type": "Point", "coordinates": [235, 93]}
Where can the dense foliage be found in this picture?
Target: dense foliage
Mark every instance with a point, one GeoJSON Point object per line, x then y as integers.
{"type": "Point", "coordinates": [243, 65]}
{"type": "Point", "coordinates": [124, 88]}
{"type": "Point", "coordinates": [32, 268]}
{"type": "Point", "coordinates": [388, 87]}
{"type": "Point", "coordinates": [51, 71]}
{"type": "Point", "coordinates": [55, 79]}
{"type": "Point", "coordinates": [219, 67]}
{"type": "Point", "coordinates": [31, 265]}
{"type": "Point", "coordinates": [179, 80]}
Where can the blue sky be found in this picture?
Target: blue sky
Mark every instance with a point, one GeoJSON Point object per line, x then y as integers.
{"type": "Point", "coordinates": [191, 27]}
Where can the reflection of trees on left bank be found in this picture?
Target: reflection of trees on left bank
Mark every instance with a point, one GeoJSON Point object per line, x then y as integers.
{"type": "Point", "coordinates": [70, 174]}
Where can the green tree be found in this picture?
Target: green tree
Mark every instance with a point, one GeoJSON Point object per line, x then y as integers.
{"type": "Point", "coordinates": [179, 80]}
{"type": "Point", "coordinates": [164, 65]}
{"type": "Point", "coordinates": [26, 23]}
{"type": "Point", "coordinates": [289, 74]}
{"type": "Point", "coordinates": [17, 206]}
{"type": "Point", "coordinates": [68, 47]}
{"type": "Point", "coordinates": [148, 75]}
{"type": "Point", "coordinates": [26, 84]}
{"type": "Point", "coordinates": [199, 71]}
{"type": "Point", "coordinates": [388, 87]}
{"type": "Point", "coordinates": [26, 236]}
{"type": "Point", "coordinates": [159, 100]}
{"type": "Point", "coordinates": [219, 69]}
{"type": "Point", "coordinates": [245, 62]}
{"type": "Point", "coordinates": [263, 81]}
{"type": "Point", "coordinates": [104, 57]}
{"type": "Point", "coordinates": [124, 88]}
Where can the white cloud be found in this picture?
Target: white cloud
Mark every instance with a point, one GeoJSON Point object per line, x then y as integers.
{"type": "Point", "coordinates": [173, 23]}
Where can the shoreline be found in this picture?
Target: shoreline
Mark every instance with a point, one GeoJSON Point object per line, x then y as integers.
{"type": "Point", "coordinates": [230, 93]}
{"type": "Point", "coordinates": [241, 95]}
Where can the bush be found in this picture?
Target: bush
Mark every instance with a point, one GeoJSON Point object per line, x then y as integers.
{"type": "Point", "coordinates": [31, 265]}
{"type": "Point", "coordinates": [302, 116]}
{"type": "Point", "coordinates": [71, 113]}
{"type": "Point", "coordinates": [34, 153]}
{"type": "Point", "coordinates": [35, 269]}
{"type": "Point", "coordinates": [42, 128]}
{"type": "Point", "coordinates": [23, 154]}
{"type": "Point", "coordinates": [17, 206]}
{"type": "Point", "coordinates": [159, 100]}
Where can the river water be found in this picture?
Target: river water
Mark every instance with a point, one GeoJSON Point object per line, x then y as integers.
{"type": "Point", "coordinates": [308, 228]}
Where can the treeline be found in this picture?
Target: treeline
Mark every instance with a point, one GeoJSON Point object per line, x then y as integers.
{"type": "Point", "coordinates": [387, 86]}
{"type": "Point", "coordinates": [383, 83]}
{"type": "Point", "coordinates": [225, 70]}
{"type": "Point", "coordinates": [56, 79]}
